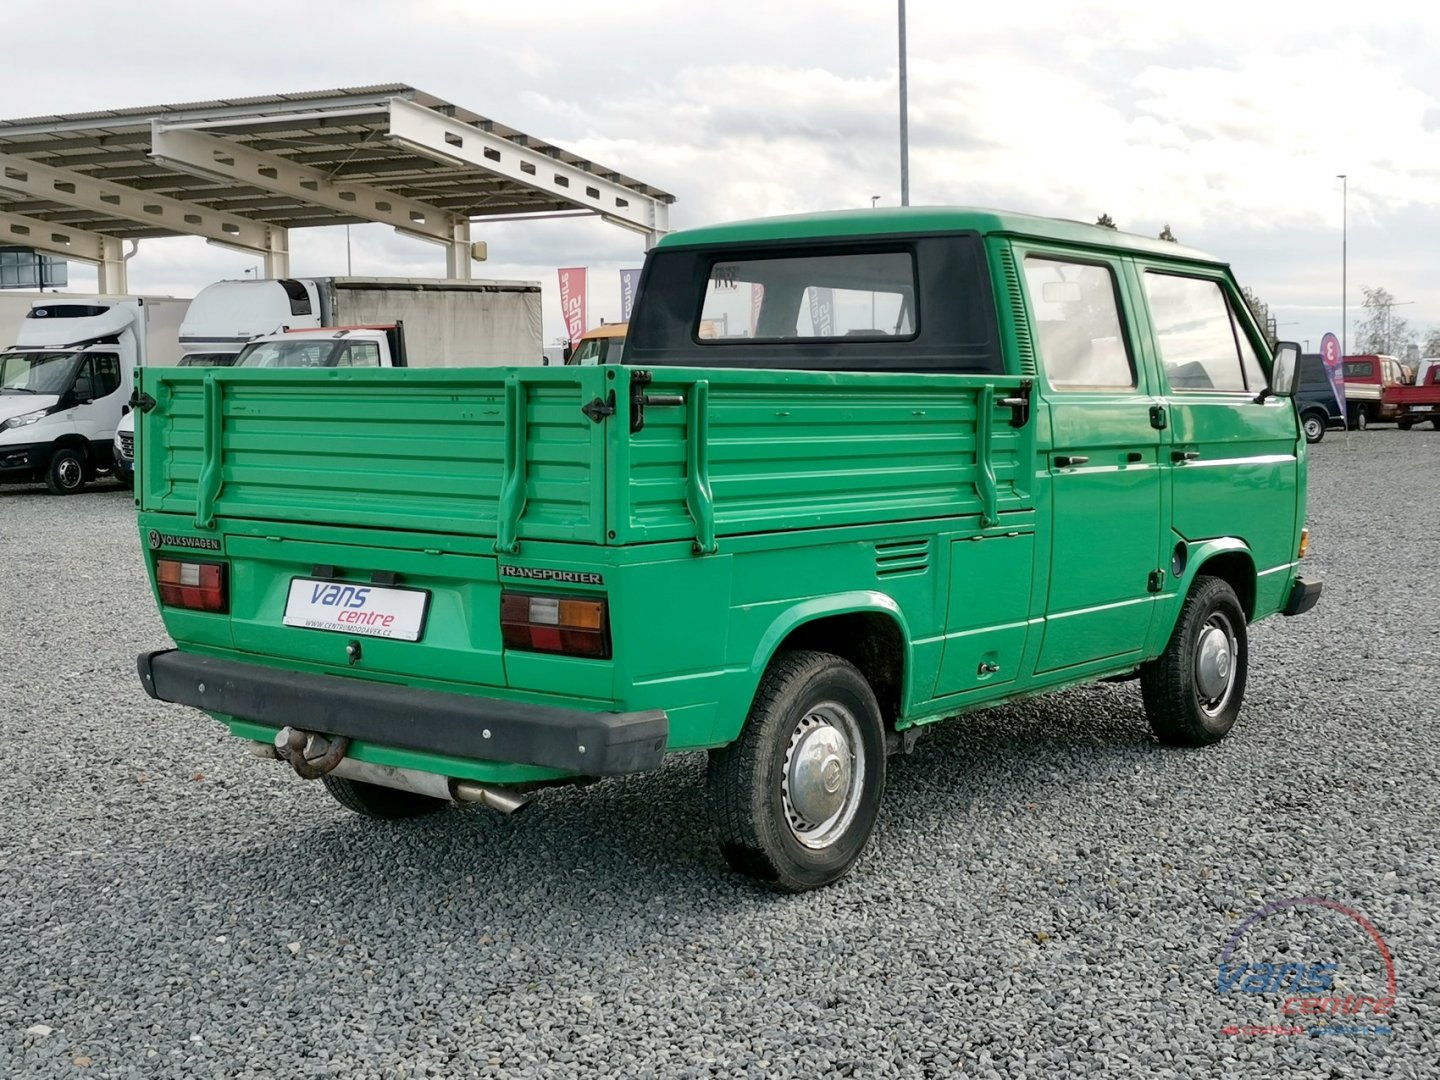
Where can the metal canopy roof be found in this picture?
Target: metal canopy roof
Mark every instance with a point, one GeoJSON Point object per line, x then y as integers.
{"type": "Point", "coordinates": [241, 172]}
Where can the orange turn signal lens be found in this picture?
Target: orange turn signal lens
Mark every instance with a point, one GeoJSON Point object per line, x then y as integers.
{"type": "Point", "coordinates": [570, 625]}
{"type": "Point", "coordinates": [1304, 541]}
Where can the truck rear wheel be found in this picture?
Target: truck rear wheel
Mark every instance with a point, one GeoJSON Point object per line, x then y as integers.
{"type": "Point", "coordinates": [377, 801]}
{"type": "Point", "coordinates": [796, 796]}
{"type": "Point", "coordinates": [1193, 690]}
{"type": "Point", "coordinates": [1314, 425]}
{"type": "Point", "coordinates": [66, 472]}
{"type": "Point", "coordinates": [1404, 425]}
{"type": "Point", "coordinates": [1361, 419]}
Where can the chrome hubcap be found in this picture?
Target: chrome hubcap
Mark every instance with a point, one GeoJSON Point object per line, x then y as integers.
{"type": "Point", "coordinates": [823, 773]}
{"type": "Point", "coordinates": [1215, 660]}
{"type": "Point", "coordinates": [69, 472]}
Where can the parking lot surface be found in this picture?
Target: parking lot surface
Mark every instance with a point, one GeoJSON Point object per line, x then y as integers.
{"type": "Point", "coordinates": [1048, 893]}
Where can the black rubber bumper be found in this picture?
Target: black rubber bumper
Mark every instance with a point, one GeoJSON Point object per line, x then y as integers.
{"type": "Point", "coordinates": [1304, 595]}
{"type": "Point", "coordinates": [586, 743]}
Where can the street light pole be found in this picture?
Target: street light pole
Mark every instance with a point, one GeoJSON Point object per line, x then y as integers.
{"type": "Point", "coordinates": [904, 117]}
{"type": "Point", "coordinates": [1344, 258]}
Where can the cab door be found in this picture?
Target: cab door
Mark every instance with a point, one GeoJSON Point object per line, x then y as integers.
{"type": "Point", "coordinates": [1102, 465]}
{"type": "Point", "coordinates": [99, 399]}
{"type": "Point", "coordinates": [1232, 464]}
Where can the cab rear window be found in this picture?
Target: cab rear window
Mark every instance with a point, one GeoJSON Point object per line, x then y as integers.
{"type": "Point", "coordinates": [1359, 369]}
{"type": "Point", "coordinates": [809, 296]}
{"type": "Point", "coordinates": [884, 303]}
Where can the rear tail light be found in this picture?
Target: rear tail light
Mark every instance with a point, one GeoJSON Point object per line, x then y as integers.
{"type": "Point", "coordinates": [196, 585]}
{"type": "Point", "coordinates": [572, 625]}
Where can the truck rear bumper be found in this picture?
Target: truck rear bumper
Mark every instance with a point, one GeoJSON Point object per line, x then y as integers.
{"type": "Point", "coordinates": [459, 725]}
{"type": "Point", "coordinates": [1304, 595]}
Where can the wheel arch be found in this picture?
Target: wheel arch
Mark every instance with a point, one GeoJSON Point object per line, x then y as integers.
{"type": "Point", "coordinates": [866, 628]}
{"type": "Point", "coordinates": [1228, 558]}
{"type": "Point", "coordinates": [71, 440]}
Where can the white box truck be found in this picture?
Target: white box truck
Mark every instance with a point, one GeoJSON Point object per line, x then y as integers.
{"type": "Point", "coordinates": [65, 382]}
{"type": "Point", "coordinates": [447, 323]}
{"type": "Point", "coordinates": [415, 322]}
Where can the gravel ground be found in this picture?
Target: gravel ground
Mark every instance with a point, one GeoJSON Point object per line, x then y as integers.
{"type": "Point", "coordinates": [1047, 894]}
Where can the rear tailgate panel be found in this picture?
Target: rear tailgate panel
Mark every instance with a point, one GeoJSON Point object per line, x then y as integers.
{"type": "Point", "coordinates": [421, 450]}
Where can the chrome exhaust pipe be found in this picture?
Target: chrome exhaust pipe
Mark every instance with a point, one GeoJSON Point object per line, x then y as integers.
{"type": "Point", "coordinates": [507, 802]}
{"type": "Point", "coordinates": [421, 783]}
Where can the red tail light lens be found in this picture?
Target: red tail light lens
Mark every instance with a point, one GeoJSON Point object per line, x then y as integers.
{"type": "Point", "coordinates": [570, 625]}
{"type": "Point", "coordinates": [194, 585]}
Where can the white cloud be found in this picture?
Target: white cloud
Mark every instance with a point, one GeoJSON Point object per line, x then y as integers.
{"type": "Point", "coordinates": [1227, 120]}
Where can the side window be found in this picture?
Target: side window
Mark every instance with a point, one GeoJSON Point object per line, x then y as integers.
{"type": "Point", "coordinates": [1077, 323]}
{"type": "Point", "coordinates": [1195, 333]}
{"type": "Point", "coordinates": [85, 380]}
{"type": "Point", "coordinates": [107, 374]}
{"type": "Point", "coordinates": [360, 354]}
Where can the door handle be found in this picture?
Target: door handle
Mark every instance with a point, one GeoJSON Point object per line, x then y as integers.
{"type": "Point", "coordinates": [1065, 461]}
{"type": "Point", "coordinates": [1184, 455]}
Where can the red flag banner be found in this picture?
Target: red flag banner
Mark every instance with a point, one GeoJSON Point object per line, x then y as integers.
{"type": "Point", "coordinates": [572, 301]}
{"type": "Point", "coordinates": [1334, 368]}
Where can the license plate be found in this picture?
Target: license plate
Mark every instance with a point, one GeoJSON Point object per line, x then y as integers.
{"type": "Point", "coordinates": [347, 608]}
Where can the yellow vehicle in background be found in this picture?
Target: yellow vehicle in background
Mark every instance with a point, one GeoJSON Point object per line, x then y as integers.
{"type": "Point", "coordinates": [601, 345]}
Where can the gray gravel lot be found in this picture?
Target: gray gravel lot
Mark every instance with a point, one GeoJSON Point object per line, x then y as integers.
{"type": "Point", "coordinates": [1047, 893]}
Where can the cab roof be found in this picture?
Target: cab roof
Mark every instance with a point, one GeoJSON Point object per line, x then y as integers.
{"type": "Point", "coordinates": [890, 221]}
{"type": "Point", "coordinates": [605, 330]}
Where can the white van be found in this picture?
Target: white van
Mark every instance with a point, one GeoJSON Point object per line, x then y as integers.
{"type": "Point", "coordinates": [64, 385]}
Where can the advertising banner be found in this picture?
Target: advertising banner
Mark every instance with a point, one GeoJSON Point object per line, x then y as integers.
{"type": "Point", "coordinates": [629, 281]}
{"type": "Point", "coordinates": [1334, 368]}
{"type": "Point", "coordinates": [572, 301]}
{"type": "Point", "coordinates": [822, 312]}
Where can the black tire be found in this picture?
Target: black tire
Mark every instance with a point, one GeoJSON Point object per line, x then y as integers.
{"type": "Point", "coordinates": [65, 474]}
{"type": "Point", "coordinates": [1362, 418]}
{"type": "Point", "coordinates": [1405, 425]}
{"type": "Point", "coordinates": [1435, 423]}
{"type": "Point", "coordinates": [1183, 710]}
{"type": "Point", "coordinates": [1313, 424]}
{"type": "Point", "coordinates": [818, 705]}
{"type": "Point", "coordinates": [377, 801]}
{"type": "Point", "coordinates": [127, 479]}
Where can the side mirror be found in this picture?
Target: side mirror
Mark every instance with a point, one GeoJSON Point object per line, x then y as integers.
{"type": "Point", "coordinates": [1285, 371]}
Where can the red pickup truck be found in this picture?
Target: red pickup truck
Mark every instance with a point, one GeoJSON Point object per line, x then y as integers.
{"type": "Point", "coordinates": [1418, 402]}
{"type": "Point", "coordinates": [1367, 380]}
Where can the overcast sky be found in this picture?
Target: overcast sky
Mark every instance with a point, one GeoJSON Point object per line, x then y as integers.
{"type": "Point", "coordinates": [1229, 124]}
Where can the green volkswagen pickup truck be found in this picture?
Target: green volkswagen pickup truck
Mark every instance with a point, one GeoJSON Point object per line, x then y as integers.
{"type": "Point", "coordinates": [857, 473]}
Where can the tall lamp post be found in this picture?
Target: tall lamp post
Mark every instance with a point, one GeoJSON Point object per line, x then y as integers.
{"type": "Point", "coordinates": [1344, 257]}
{"type": "Point", "coordinates": [904, 118]}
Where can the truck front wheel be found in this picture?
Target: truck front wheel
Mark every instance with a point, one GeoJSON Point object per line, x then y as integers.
{"type": "Point", "coordinates": [66, 473]}
{"type": "Point", "coordinates": [377, 801]}
{"type": "Point", "coordinates": [1314, 425]}
{"type": "Point", "coordinates": [1193, 690]}
{"type": "Point", "coordinates": [796, 796]}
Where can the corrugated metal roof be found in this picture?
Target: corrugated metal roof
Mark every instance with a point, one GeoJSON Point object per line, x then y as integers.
{"type": "Point", "coordinates": [114, 145]}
